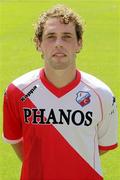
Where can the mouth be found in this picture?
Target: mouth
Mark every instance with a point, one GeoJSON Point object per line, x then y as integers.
{"type": "Point", "coordinates": [59, 55]}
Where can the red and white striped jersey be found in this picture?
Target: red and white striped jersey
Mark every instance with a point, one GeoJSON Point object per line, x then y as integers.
{"type": "Point", "coordinates": [62, 128]}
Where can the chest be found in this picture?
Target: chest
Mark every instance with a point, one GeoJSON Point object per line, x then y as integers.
{"type": "Point", "coordinates": [81, 107]}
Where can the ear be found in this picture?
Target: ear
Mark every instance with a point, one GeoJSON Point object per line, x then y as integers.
{"type": "Point", "coordinates": [38, 44]}
{"type": "Point", "coordinates": [79, 46]}
{"type": "Point", "coordinates": [39, 49]}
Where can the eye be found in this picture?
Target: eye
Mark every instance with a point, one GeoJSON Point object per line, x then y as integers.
{"type": "Point", "coordinates": [67, 37]}
{"type": "Point", "coordinates": [51, 37]}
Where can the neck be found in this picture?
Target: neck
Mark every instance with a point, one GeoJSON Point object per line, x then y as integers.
{"type": "Point", "coordinates": [60, 78]}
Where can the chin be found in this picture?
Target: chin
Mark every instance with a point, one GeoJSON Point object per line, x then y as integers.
{"type": "Point", "coordinates": [60, 66]}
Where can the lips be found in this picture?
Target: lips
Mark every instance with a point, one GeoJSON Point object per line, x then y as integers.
{"type": "Point", "coordinates": [59, 54]}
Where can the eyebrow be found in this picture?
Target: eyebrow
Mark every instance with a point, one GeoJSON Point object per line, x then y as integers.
{"type": "Point", "coordinates": [67, 33]}
{"type": "Point", "coordinates": [53, 33]}
{"type": "Point", "coordinates": [50, 33]}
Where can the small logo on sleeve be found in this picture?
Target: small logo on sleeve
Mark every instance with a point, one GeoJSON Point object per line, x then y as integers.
{"type": "Point", "coordinates": [113, 101]}
{"type": "Point", "coordinates": [83, 98]}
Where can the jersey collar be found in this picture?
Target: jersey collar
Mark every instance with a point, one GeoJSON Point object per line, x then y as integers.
{"type": "Point", "coordinates": [59, 92]}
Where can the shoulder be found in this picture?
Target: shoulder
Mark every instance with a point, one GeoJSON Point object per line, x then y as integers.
{"type": "Point", "coordinates": [22, 82]}
{"type": "Point", "coordinates": [99, 87]}
{"type": "Point", "coordinates": [27, 78]}
{"type": "Point", "coordinates": [95, 83]}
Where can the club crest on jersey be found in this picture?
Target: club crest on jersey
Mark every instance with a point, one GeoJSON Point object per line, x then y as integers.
{"type": "Point", "coordinates": [83, 98]}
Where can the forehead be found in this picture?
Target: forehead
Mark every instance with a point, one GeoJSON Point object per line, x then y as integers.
{"type": "Point", "coordinates": [53, 25]}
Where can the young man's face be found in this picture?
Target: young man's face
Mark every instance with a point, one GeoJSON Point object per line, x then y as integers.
{"type": "Point", "coordinates": [59, 44]}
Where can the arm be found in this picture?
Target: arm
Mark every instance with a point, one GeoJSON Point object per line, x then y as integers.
{"type": "Point", "coordinates": [101, 152]}
{"type": "Point", "coordinates": [18, 148]}
{"type": "Point", "coordinates": [107, 128]}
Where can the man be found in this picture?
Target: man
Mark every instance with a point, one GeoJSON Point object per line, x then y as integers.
{"type": "Point", "coordinates": [59, 119]}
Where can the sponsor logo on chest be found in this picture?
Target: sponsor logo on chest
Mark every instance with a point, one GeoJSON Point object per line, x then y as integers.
{"type": "Point", "coordinates": [76, 117]}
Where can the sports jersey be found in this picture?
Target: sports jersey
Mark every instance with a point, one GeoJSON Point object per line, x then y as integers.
{"type": "Point", "coordinates": [62, 128]}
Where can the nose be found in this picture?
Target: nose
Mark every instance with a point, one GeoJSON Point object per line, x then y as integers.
{"type": "Point", "coordinates": [59, 42]}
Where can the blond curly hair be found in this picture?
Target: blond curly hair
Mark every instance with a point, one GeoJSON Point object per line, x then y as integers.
{"type": "Point", "coordinates": [65, 14]}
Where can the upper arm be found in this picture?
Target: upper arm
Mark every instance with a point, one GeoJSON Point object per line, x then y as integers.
{"type": "Point", "coordinates": [12, 127]}
{"type": "Point", "coordinates": [18, 148]}
{"type": "Point", "coordinates": [102, 152]}
{"type": "Point", "coordinates": [107, 128]}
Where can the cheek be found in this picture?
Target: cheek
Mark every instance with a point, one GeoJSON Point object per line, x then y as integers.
{"type": "Point", "coordinates": [72, 49]}
{"type": "Point", "coordinates": [44, 47]}
{"type": "Point", "coordinates": [46, 50]}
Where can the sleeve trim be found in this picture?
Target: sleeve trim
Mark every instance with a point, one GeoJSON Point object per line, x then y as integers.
{"type": "Point", "coordinates": [11, 141]}
{"type": "Point", "coordinates": [105, 148]}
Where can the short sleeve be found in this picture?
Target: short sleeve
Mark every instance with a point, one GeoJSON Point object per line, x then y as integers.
{"type": "Point", "coordinates": [12, 127]}
{"type": "Point", "coordinates": [108, 127]}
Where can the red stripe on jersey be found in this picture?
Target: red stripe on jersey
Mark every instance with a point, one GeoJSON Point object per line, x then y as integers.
{"type": "Point", "coordinates": [105, 148]}
{"type": "Point", "coordinates": [59, 92]}
{"type": "Point", "coordinates": [52, 157]}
